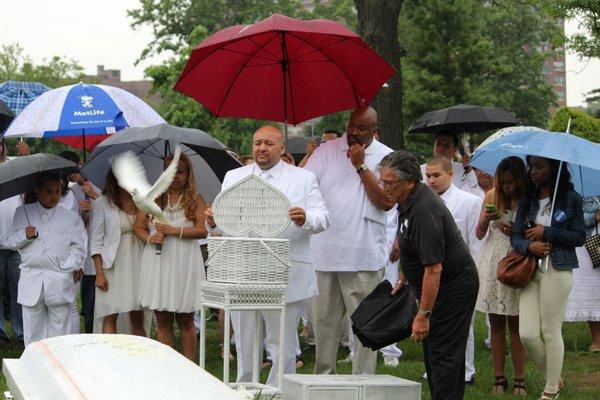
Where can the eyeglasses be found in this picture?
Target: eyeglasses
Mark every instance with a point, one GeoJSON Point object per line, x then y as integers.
{"type": "Point", "coordinates": [359, 127]}
{"type": "Point", "coordinates": [388, 184]}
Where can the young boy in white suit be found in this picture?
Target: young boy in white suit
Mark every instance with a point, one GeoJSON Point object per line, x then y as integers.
{"type": "Point", "coordinates": [53, 244]}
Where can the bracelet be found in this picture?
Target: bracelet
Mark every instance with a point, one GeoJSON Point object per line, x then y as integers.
{"type": "Point", "coordinates": [148, 239]}
{"type": "Point", "coordinates": [405, 283]}
{"type": "Point", "coordinates": [181, 232]}
{"type": "Point", "coordinates": [362, 169]}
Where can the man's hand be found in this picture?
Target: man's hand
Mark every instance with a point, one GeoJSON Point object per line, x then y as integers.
{"type": "Point", "coordinates": [420, 328]}
{"type": "Point", "coordinates": [535, 233]}
{"type": "Point", "coordinates": [288, 158]}
{"type": "Point", "coordinates": [157, 238]}
{"type": "Point", "coordinates": [101, 282]}
{"type": "Point", "coordinates": [395, 251]}
{"type": "Point", "coordinates": [539, 248]}
{"type": "Point", "coordinates": [85, 205]}
{"type": "Point", "coordinates": [77, 275]}
{"type": "Point", "coordinates": [356, 153]}
{"type": "Point", "coordinates": [298, 215]}
{"type": "Point", "coordinates": [210, 218]}
{"type": "Point", "coordinates": [31, 232]}
{"type": "Point", "coordinates": [311, 147]}
{"type": "Point", "coordinates": [22, 148]}
{"type": "Point", "coordinates": [88, 189]}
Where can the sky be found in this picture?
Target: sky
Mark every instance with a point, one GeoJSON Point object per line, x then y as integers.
{"type": "Point", "coordinates": [99, 32]}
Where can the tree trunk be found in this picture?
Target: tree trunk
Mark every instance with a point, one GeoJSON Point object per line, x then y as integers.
{"type": "Point", "coordinates": [378, 26]}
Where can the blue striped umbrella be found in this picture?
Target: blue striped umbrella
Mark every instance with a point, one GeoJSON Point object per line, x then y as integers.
{"type": "Point", "coordinates": [17, 95]}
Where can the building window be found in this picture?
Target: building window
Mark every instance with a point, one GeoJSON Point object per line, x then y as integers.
{"type": "Point", "coordinates": [561, 95]}
{"type": "Point", "coordinates": [559, 80]}
{"type": "Point", "coordinates": [559, 65]}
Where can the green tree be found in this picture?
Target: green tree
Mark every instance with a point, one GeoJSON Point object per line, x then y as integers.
{"type": "Point", "coordinates": [587, 13]}
{"type": "Point", "coordinates": [582, 124]}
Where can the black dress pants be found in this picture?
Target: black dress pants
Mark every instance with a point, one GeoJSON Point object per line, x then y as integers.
{"type": "Point", "coordinates": [444, 347]}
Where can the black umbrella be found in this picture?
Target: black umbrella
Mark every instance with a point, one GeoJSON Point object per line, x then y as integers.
{"type": "Point", "coordinates": [18, 175]}
{"type": "Point", "coordinates": [6, 116]}
{"type": "Point", "coordinates": [297, 144]}
{"type": "Point", "coordinates": [152, 144]}
{"type": "Point", "coordinates": [463, 118]}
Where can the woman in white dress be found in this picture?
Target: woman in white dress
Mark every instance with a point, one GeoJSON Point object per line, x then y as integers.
{"type": "Point", "coordinates": [116, 254]}
{"type": "Point", "coordinates": [584, 299]}
{"type": "Point", "coordinates": [170, 282]}
{"type": "Point", "coordinates": [501, 302]}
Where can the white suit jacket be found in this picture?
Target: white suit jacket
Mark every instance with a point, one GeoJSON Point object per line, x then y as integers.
{"type": "Point", "coordinates": [105, 233]}
{"type": "Point", "coordinates": [49, 260]}
{"type": "Point", "coordinates": [301, 188]}
{"type": "Point", "coordinates": [465, 208]}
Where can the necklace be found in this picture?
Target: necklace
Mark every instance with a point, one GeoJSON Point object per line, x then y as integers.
{"type": "Point", "coordinates": [171, 210]}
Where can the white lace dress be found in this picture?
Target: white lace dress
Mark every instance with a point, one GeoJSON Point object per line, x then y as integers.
{"type": "Point", "coordinates": [171, 281]}
{"type": "Point", "coordinates": [495, 297]}
{"type": "Point", "coordinates": [124, 276]}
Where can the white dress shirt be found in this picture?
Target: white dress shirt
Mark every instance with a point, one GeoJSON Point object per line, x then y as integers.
{"type": "Point", "coordinates": [465, 182]}
{"type": "Point", "coordinates": [465, 209]}
{"type": "Point", "coordinates": [356, 240]}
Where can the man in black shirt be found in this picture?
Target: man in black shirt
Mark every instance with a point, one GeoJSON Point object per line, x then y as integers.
{"type": "Point", "coordinates": [437, 263]}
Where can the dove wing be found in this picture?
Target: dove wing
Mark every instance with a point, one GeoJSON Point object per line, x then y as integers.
{"type": "Point", "coordinates": [130, 173]}
{"type": "Point", "coordinates": [166, 178]}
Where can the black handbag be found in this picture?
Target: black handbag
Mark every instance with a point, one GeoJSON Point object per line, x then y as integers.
{"type": "Point", "coordinates": [382, 319]}
{"type": "Point", "coordinates": [592, 245]}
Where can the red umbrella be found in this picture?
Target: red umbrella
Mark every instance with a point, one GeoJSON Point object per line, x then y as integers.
{"type": "Point", "coordinates": [283, 69]}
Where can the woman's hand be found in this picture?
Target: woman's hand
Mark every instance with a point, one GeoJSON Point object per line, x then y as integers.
{"type": "Point", "coordinates": [101, 282]}
{"type": "Point", "coordinates": [157, 238]}
{"type": "Point", "coordinates": [535, 233]}
{"type": "Point", "coordinates": [166, 229]}
{"type": "Point", "coordinates": [506, 227]}
{"type": "Point", "coordinates": [539, 248]}
{"type": "Point", "coordinates": [491, 215]}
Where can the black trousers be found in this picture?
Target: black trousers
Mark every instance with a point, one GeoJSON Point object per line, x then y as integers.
{"type": "Point", "coordinates": [444, 347]}
{"type": "Point", "coordinates": [88, 296]}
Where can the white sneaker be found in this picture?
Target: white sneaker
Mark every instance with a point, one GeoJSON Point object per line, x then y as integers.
{"type": "Point", "coordinates": [488, 343]}
{"type": "Point", "coordinates": [391, 361]}
{"type": "Point", "coordinates": [348, 358]}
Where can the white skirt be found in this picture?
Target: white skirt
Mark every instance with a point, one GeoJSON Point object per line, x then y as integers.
{"type": "Point", "coordinates": [584, 299]}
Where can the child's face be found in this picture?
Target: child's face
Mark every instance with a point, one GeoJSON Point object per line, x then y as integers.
{"type": "Point", "coordinates": [49, 194]}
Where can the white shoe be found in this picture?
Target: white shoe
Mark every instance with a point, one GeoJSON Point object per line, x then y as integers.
{"type": "Point", "coordinates": [488, 343]}
{"type": "Point", "coordinates": [391, 361]}
{"type": "Point", "coordinates": [348, 358]}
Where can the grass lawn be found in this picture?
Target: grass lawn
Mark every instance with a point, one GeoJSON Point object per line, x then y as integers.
{"type": "Point", "coordinates": [581, 369]}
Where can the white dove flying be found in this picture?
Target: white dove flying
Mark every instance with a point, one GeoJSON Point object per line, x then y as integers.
{"type": "Point", "coordinates": [131, 176]}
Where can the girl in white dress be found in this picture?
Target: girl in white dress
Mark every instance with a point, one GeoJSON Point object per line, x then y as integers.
{"type": "Point", "coordinates": [116, 254]}
{"type": "Point", "coordinates": [501, 302]}
{"type": "Point", "coordinates": [170, 282]}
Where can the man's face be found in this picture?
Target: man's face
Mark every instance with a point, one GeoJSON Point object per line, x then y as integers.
{"type": "Point", "coordinates": [361, 127]}
{"type": "Point", "coordinates": [49, 194]}
{"type": "Point", "coordinates": [444, 146]}
{"type": "Point", "coordinates": [267, 148]}
{"type": "Point", "coordinates": [438, 179]}
{"type": "Point", "coordinates": [397, 190]}
{"type": "Point", "coordinates": [327, 137]}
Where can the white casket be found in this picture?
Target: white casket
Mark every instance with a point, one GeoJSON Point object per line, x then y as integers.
{"type": "Point", "coordinates": [108, 367]}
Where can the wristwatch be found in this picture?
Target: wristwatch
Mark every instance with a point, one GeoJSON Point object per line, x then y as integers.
{"type": "Point", "coordinates": [425, 313]}
{"type": "Point", "coordinates": [362, 169]}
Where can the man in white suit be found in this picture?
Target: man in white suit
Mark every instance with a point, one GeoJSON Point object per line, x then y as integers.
{"type": "Point", "coordinates": [465, 208]}
{"type": "Point", "coordinates": [309, 215]}
{"type": "Point", "coordinates": [53, 244]}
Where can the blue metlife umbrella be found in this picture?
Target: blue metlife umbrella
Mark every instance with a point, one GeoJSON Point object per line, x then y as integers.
{"type": "Point", "coordinates": [82, 115]}
{"type": "Point", "coordinates": [17, 94]}
{"type": "Point", "coordinates": [582, 156]}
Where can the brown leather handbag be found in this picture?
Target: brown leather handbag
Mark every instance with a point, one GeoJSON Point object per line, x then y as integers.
{"type": "Point", "coordinates": [516, 270]}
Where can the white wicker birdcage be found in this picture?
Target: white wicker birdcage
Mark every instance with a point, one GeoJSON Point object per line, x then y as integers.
{"type": "Point", "coordinates": [248, 273]}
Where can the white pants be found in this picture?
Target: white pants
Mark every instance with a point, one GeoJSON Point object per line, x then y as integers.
{"type": "Point", "coordinates": [43, 321]}
{"type": "Point", "coordinates": [243, 326]}
{"type": "Point", "coordinates": [470, 352]}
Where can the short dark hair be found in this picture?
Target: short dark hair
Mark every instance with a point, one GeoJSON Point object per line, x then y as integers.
{"type": "Point", "coordinates": [334, 131]}
{"type": "Point", "coordinates": [40, 180]}
{"type": "Point", "coordinates": [70, 155]}
{"type": "Point", "coordinates": [453, 135]}
{"type": "Point", "coordinates": [404, 164]}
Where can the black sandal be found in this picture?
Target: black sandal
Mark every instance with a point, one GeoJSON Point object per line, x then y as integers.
{"type": "Point", "coordinates": [519, 388]}
{"type": "Point", "coordinates": [500, 385]}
